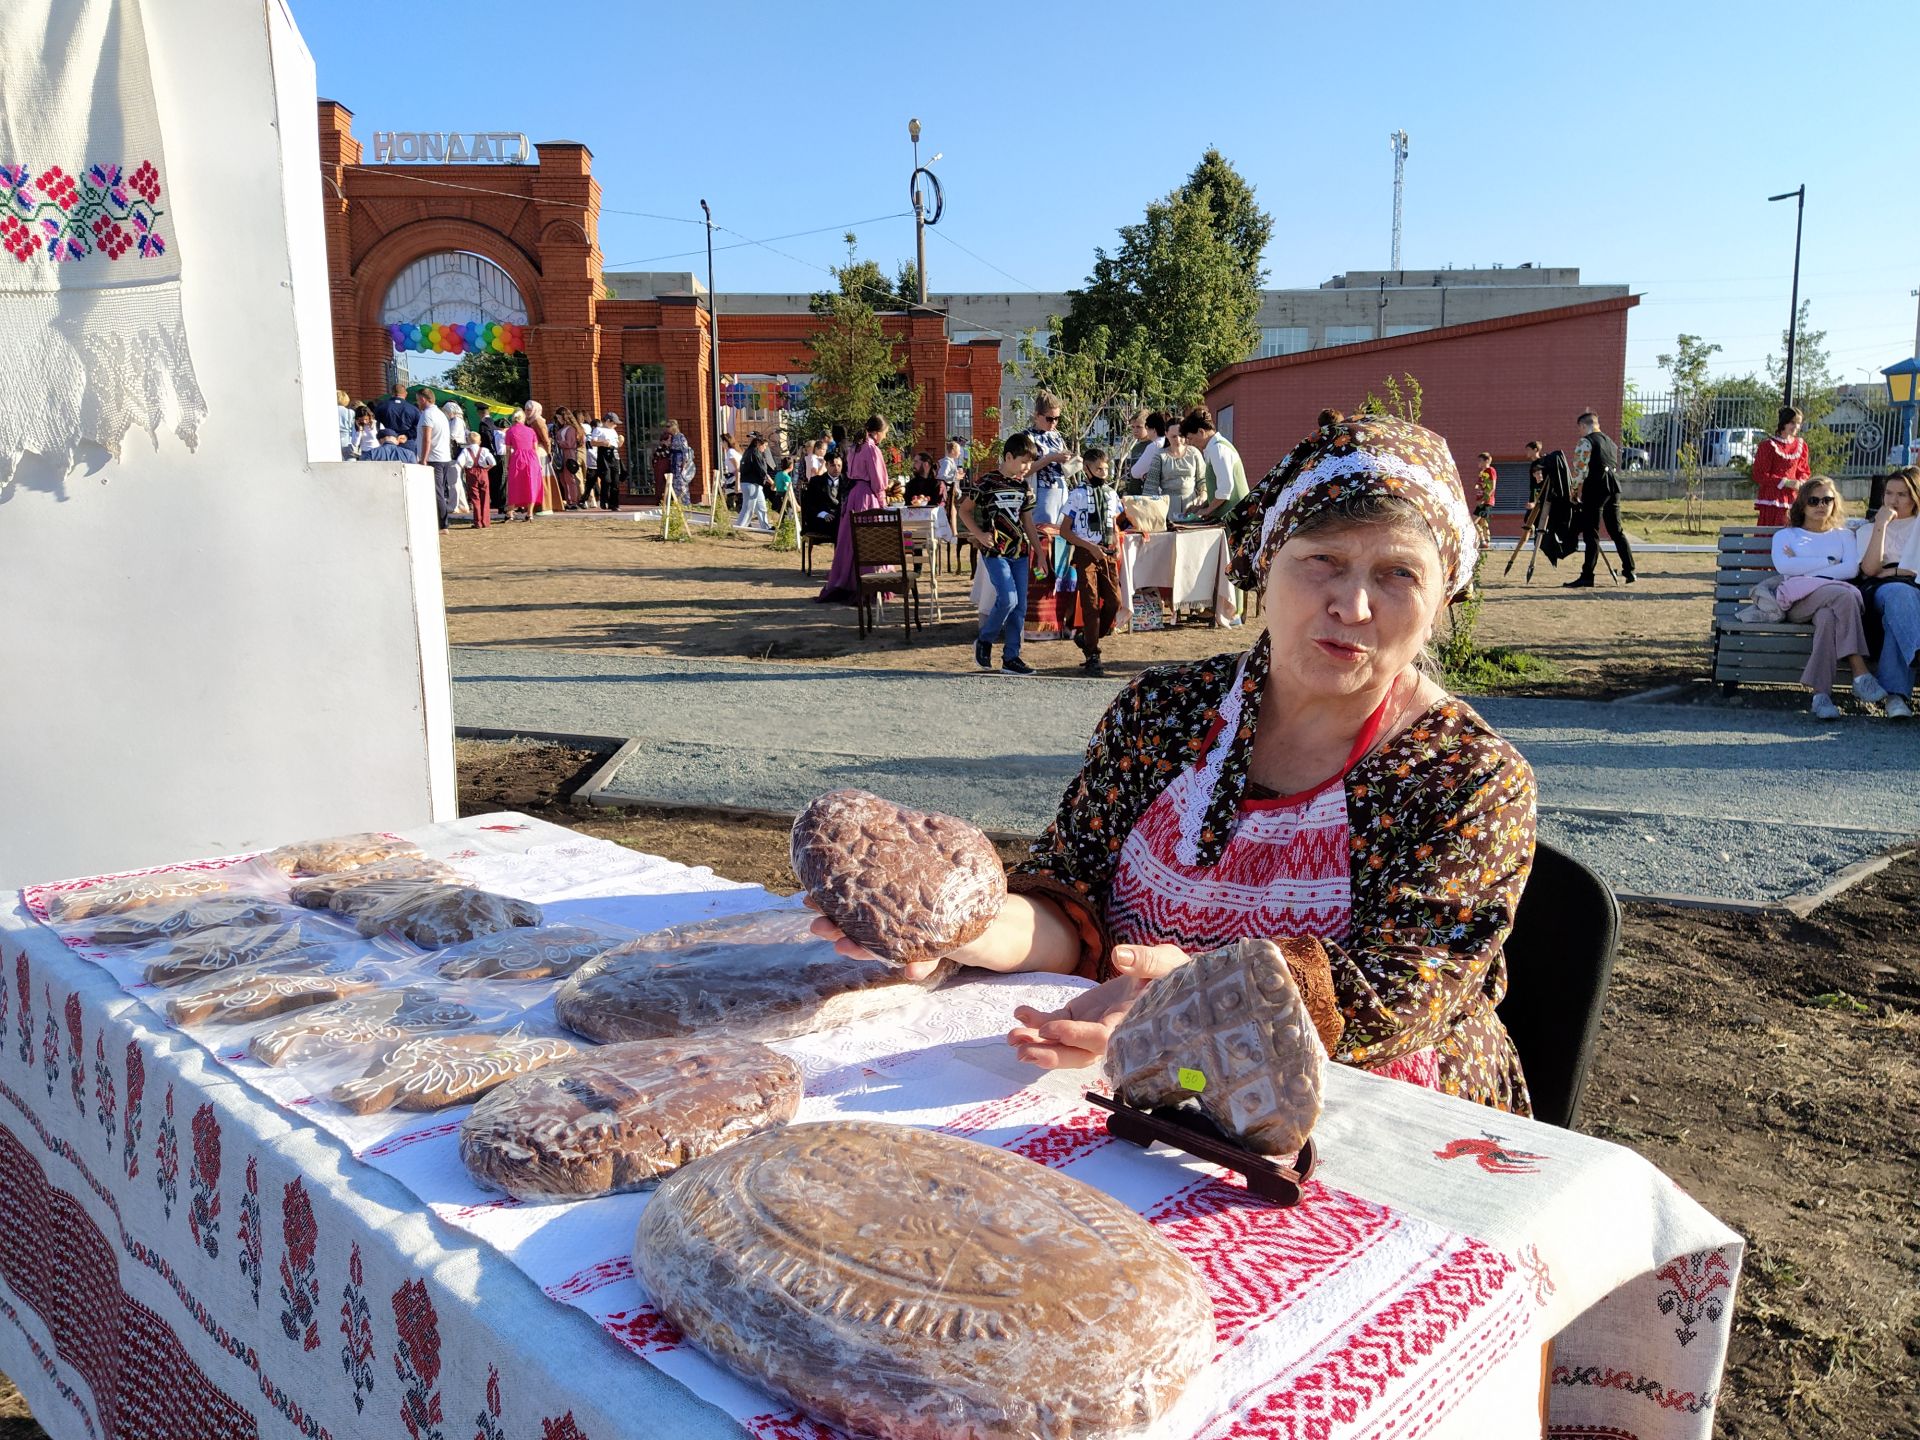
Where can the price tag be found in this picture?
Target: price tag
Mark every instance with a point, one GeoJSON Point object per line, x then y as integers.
{"type": "Point", "coordinates": [1191, 1079]}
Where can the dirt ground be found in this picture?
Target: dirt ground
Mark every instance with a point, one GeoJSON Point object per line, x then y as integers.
{"type": "Point", "coordinates": [591, 584]}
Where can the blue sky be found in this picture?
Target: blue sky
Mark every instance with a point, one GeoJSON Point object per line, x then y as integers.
{"type": "Point", "coordinates": [1638, 141]}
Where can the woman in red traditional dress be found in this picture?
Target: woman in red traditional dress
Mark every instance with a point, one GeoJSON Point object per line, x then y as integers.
{"type": "Point", "coordinates": [1779, 465]}
{"type": "Point", "coordinates": [1322, 784]}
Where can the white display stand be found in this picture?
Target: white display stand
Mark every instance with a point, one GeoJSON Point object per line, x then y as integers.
{"type": "Point", "coordinates": [246, 644]}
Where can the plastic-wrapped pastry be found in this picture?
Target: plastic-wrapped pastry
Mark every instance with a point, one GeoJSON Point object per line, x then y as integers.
{"type": "Point", "coordinates": [185, 917]}
{"type": "Point", "coordinates": [241, 995]}
{"type": "Point", "coordinates": [907, 884]}
{"type": "Point", "coordinates": [434, 916]}
{"type": "Point", "coordinates": [443, 1070]}
{"type": "Point", "coordinates": [622, 1116]}
{"type": "Point", "coordinates": [353, 890]}
{"type": "Point", "coordinates": [233, 947]}
{"type": "Point", "coordinates": [758, 976]}
{"type": "Point", "coordinates": [545, 953]}
{"type": "Point", "coordinates": [340, 852]}
{"type": "Point", "coordinates": [376, 1018]}
{"type": "Point", "coordinates": [1229, 1030]}
{"type": "Point", "coordinates": [905, 1284]}
{"type": "Point", "coordinates": [116, 897]}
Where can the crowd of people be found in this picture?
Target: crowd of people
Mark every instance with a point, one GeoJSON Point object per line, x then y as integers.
{"type": "Point", "coordinates": [481, 468]}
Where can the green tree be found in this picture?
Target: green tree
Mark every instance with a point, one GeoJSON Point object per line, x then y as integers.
{"type": "Point", "coordinates": [1405, 401]}
{"type": "Point", "coordinates": [864, 280]}
{"type": "Point", "coordinates": [1686, 366]}
{"type": "Point", "coordinates": [491, 376]}
{"type": "Point", "coordinates": [1179, 292]}
{"type": "Point", "coordinates": [1097, 389]}
{"type": "Point", "coordinates": [856, 365]}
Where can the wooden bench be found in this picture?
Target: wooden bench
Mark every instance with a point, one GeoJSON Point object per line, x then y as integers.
{"type": "Point", "coordinates": [1754, 652]}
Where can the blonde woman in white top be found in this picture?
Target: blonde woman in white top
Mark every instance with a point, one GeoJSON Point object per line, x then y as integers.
{"type": "Point", "coordinates": [1819, 556]}
{"type": "Point", "coordinates": [1889, 562]}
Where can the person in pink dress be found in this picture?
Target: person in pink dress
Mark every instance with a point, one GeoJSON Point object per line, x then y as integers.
{"type": "Point", "coordinates": [524, 479]}
{"type": "Point", "coordinates": [866, 489]}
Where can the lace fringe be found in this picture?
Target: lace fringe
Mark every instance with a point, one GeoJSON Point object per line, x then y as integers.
{"type": "Point", "coordinates": [85, 367]}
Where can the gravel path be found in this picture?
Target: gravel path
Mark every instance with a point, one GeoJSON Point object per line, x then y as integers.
{"type": "Point", "coordinates": [1696, 800]}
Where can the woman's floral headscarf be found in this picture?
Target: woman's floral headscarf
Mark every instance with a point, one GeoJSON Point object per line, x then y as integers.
{"type": "Point", "coordinates": [1374, 454]}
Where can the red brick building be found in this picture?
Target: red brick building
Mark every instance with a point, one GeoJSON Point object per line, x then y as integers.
{"type": "Point", "coordinates": [536, 228]}
{"type": "Point", "coordinates": [1490, 385]}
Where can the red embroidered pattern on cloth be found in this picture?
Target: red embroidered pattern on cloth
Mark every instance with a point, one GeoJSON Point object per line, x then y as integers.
{"type": "Point", "coordinates": [1285, 872]}
{"type": "Point", "coordinates": [54, 1257]}
{"type": "Point", "coordinates": [106, 210]}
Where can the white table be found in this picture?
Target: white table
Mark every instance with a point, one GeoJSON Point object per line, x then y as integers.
{"type": "Point", "coordinates": [1193, 564]}
{"type": "Point", "coordinates": [188, 1250]}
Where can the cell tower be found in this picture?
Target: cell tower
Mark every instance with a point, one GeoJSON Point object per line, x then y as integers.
{"type": "Point", "coordinates": [1399, 141]}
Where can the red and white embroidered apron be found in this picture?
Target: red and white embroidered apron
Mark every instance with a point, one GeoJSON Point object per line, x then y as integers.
{"type": "Point", "coordinates": [1286, 872]}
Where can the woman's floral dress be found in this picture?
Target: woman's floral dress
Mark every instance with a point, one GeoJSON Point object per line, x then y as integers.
{"type": "Point", "coordinates": [1408, 867]}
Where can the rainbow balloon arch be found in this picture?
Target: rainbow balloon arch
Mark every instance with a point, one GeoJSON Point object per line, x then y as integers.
{"type": "Point", "coordinates": [762, 394]}
{"type": "Point", "coordinates": [473, 337]}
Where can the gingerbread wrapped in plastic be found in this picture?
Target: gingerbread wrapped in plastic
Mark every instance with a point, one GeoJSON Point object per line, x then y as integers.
{"type": "Point", "coordinates": [544, 953]}
{"type": "Point", "coordinates": [907, 884]}
{"type": "Point", "coordinates": [235, 947]}
{"type": "Point", "coordinates": [620, 1117]}
{"type": "Point", "coordinates": [134, 892]}
{"type": "Point", "coordinates": [1231, 1033]}
{"type": "Point", "coordinates": [330, 892]}
{"type": "Point", "coordinates": [155, 923]}
{"type": "Point", "coordinates": [763, 975]}
{"type": "Point", "coordinates": [378, 1017]}
{"type": "Point", "coordinates": [341, 852]}
{"type": "Point", "coordinates": [441, 1070]}
{"type": "Point", "coordinates": [235, 997]}
{"type": "Point", "coordinates": [435, 916]}
{"type": "Point", "coordinates": [911, 1285]}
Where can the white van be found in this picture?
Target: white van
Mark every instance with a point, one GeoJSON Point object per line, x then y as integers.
{"type": "Point", "coordinates": [1719, 447]}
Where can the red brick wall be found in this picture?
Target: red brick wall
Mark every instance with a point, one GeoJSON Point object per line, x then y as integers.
{"type": "Point", "coordinates": [1492, 385]}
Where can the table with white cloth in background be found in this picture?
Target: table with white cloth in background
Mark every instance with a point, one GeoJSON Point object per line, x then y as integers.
{"type": "Point", "coordinates": [1193, 564]}
{"type": "Point", "coordinates": [192, 1246]}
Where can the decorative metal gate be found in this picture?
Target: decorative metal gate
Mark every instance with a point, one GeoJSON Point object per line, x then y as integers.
{"type": "Point", "coordinates": [646, 414]}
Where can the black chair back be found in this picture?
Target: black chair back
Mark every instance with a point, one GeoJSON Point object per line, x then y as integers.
{"type": "Point", "coordinates": [1559, 960]}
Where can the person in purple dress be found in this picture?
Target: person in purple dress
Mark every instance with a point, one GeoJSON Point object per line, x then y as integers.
{"type": "Point", "coordinates": [865, 488]}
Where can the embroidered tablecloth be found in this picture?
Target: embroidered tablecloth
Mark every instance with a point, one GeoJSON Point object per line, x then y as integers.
{"type": "Point", "coordinates": [1190, 563]}
{"type": "Point", "coordinates": [192, 1245]}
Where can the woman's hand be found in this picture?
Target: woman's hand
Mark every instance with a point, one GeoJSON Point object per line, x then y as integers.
{"type": "Point", "coordinates": [1024, 936]}
{"type": "Point", "coordinates": [1076, 1035]}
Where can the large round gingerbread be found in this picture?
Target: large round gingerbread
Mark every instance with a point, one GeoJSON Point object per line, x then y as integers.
{"type": "Point", "coordinates": [910, 1285]}
{"type": "Point", "coordinates": [622, 1116]}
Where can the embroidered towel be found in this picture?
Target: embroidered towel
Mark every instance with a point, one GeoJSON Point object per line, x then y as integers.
{"type": "Point", "coordinates": [91, 337]}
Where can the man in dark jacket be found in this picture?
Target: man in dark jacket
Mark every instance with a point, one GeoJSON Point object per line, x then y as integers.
{"type": "Point", "coordinates": [1597, 494]}
{"type": "Point", "coordinates": [395, 414]}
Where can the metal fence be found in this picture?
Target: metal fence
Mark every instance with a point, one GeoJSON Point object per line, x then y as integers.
{"type": "Point", "coordinates": [1654, 429]}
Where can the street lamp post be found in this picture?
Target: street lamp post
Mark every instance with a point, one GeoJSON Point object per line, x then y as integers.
{"type": "Point", "coordinates": [1793, 314]}
{"type": "Point", "coordinates": [713, 345]}
{"type": "Point", "coordinates": [920, 217]}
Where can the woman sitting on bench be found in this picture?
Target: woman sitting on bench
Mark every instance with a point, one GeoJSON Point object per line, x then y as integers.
{"type": "Point", "coordinates": [1889, 558]}
{"type": "Point", "coordinates": [1820, 556]}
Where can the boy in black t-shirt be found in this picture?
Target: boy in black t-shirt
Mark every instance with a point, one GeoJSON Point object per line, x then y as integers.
{"type": "Point", "coordinates": [997, 516]}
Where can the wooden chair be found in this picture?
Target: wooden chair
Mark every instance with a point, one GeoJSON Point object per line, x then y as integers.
{"type": "Point", "coordinates": [879, 540]}
{"type": "Point", "coordinates": [807, 542]}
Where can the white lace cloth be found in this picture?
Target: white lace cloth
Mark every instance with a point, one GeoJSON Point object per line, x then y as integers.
{"type": "Point", "coordinates": [92, 342]}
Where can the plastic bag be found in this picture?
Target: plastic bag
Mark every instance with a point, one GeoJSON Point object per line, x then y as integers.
{"type": "Point", "coordinates": [1231, 1032]}
{"type": "Point", "coordinates": [435, 916]}
{"type": "Point", "coordinates": [259, 991]}
{"type": "Point", "coordinates": [152, 924]}
{"type": "Point", "coordinates": [622, 1116]}
{"type": "Point", "coordinates": [1148, 513]}
{"type": "Point", "coordinates": [352, 890]}
{"type": "Point", "coordinates": [892, 1281]}
{"type": "Point", "coordinates": [759, 976]}
{"type": "Point", "coordinates": [340, 852]}
{"type": "Point", "coordinates": [549, 952]}
{"type": "Point", "coordinates": [441, 1070]}
{"type": "Point", "coordinates": [232, 947]}
{"type": "Point", "coordinates": [907, 884]}
{"type": "Point", "coordinates": [377, 1017]}
{"type": "Point", "coordinates": [85, 901]}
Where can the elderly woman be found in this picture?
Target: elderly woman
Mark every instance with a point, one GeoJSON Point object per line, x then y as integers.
{"type": "Point", "coordinates": [1321, 785]}
{"type": "Point", "coordinates": [1819, 556]}
{"type": "Point", "coordinates": [1889, 562]}
{"type": "Point", "coordinates": [524, 479]}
